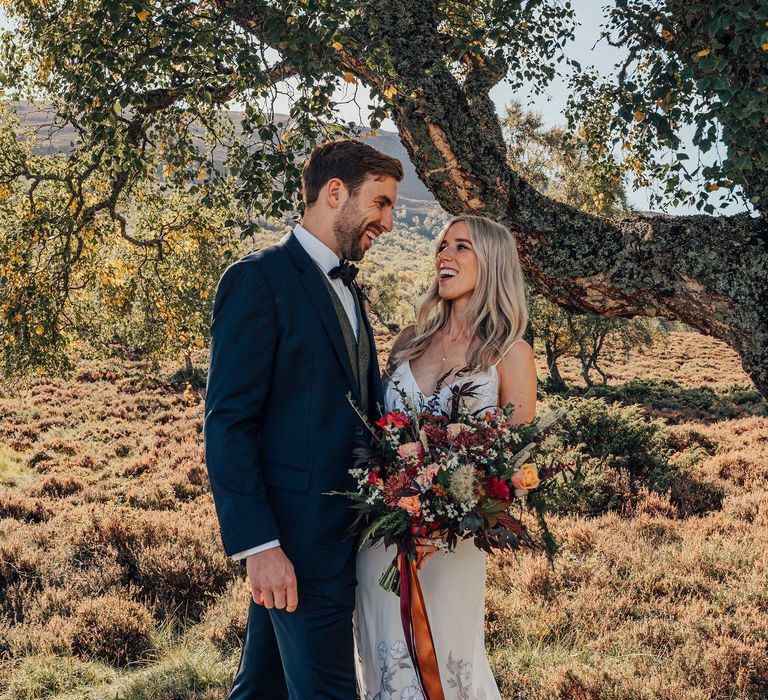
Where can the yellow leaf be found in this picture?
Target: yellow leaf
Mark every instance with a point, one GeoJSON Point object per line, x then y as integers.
{"type": "Point", "coordinates": [639, 115]}
{"type": "Point", "coordinates": [336, 45]}
{"type": "Point", "coordinates": [41, 370]}
{"type": "Point", "coordinates": [17, 318]}
{"type": "Point", "coordinates": [291, 20]}
{"type": "Point", "coordinates": [764, 46]}
{"type": "Point", "coordinates": [390, 91]}
{"type": "Point", "coordinates": [39, 330]}
{"type": "Point", "coordinates": [704, 52]}
{"type": "Point", "coordinates": [4, 191]}
{"type": "Point", "coordinates": [667, 34]}
{"type": "Point", "coordinates": [349, 77]}
{"type": "Point", "coordinates": [143, 15]}
{"type": "Point", "coordinates": [714, 186]}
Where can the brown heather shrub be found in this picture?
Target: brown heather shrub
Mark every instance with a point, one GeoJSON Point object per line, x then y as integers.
{"type": "Point", "coordinates": [174, 558]}
{"type": "Point", "coordinates": [691, 496]}
{"type": "Point", "coordinates": [579, 682]}
{"type": "Point", "coordinates": [156, 495]}
{"type": "Point", "coordinates": [39, 458]}
{"type": "Point", "coordinates": [22, 508]}
{"type": "Point", "coordinates": [745, 468]}
{"type": "Point", "coordinates": [223, 624]}
{"type": "Point", "coordinates": [60, 447]}
{"type": "Point", "coordinates": [137, 467]}
{"type": "Point", "coordinates": [652, 503]}
{"type": "Point", "coordinates": [122, 449]}
{"type": "Point", "coordinates": [58, 486]}
{"type": "Point", "coordinates": [579, 539]}
{"type": "Point", "coordinates": [749, 507]}
{"type": "Point", "coordinates": [113, 628]}
{"type": "Point", "coordinates": [724, 665]}
{"type": "Point", "coordinates": [688, 435]}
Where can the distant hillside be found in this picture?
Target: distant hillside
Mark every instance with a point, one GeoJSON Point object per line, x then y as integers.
{"type": "Point", "coordinates": [40, 118]}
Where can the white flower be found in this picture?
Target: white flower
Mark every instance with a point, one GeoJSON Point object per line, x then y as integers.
{"type": "Point", "coordinates": [411, 692]}
{"type": "Point", "coordinates": [398, 650]}
{"type": "Point", "coordinates": [382, 650]}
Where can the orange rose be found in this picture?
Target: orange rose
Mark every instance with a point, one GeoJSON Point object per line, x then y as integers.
{"type": "Point", "coordinates": [525, 479]}
{"type": "Point", "coordinates": [455, 428]}
{"type": "Point", "coordinates": [410, 504]}
{"type": "Point", "coordinates": [410, 449]}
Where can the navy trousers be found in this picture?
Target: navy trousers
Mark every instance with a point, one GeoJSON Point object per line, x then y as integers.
{"type": "Point", "coordinates": [304, 655]}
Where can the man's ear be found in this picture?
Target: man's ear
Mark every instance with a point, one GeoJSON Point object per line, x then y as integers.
{"type": "Point", "coordinates": [335, 192]}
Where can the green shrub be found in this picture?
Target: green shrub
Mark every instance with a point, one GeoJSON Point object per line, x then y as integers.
{"type": "Point", "coordinates": [616, 451]}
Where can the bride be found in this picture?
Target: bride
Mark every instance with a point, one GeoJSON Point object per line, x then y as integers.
{"type": "Point", "coordinates": [468, 327]}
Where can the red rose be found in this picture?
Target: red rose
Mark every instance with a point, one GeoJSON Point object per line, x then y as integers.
{"type": "Point", "coordinates": [373, 476]}
{"type": "Point", "coordinates": [498, 489]}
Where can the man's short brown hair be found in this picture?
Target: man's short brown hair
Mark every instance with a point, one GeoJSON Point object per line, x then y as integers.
{"type": "Point", "coordinates": [349, 160]}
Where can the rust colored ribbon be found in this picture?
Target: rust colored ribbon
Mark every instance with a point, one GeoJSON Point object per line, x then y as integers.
{"type": "Point", "coordinates": [418, 634]}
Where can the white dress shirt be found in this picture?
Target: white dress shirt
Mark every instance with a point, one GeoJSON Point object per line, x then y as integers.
{"type": "Point", "coordinates": [326, 260]}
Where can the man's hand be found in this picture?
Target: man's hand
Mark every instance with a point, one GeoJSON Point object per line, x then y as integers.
{"type": "Point", "coordinates": [272, 579]}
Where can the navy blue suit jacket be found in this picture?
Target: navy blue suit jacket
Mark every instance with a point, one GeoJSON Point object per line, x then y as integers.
{"type": "Point", "coordinates": [279, 429]}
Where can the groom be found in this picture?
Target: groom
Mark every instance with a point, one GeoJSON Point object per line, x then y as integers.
{"type": "Point", "coordinates": [289, 340]}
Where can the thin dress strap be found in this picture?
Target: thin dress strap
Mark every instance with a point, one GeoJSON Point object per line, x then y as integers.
{"type": "Point", "coordinates": [506, 351]}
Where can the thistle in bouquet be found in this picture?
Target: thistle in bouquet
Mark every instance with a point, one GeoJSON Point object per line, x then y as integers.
{"type": "Point", "coordinates": [451, 475]}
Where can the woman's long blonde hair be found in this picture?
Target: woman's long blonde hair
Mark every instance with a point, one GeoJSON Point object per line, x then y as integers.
{"type": "Point", "coordinates": [497, 312]}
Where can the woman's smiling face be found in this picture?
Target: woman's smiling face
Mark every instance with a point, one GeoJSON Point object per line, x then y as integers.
{"type": "Point", "coordinates": [456, 263]}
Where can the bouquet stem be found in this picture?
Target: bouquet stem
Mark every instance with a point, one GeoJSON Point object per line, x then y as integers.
{"type": "Point", "coordinates": [390, 579]}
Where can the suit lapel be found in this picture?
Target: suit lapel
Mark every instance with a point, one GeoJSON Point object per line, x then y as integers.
{"type": "Point", "coordinates": [319, 296]}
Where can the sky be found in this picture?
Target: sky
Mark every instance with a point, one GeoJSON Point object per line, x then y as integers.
{"type": "Point", "coordinates": [551, 104]}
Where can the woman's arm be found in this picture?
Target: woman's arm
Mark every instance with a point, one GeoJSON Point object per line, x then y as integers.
{"type": "Point", "coordinates": [517, 381]}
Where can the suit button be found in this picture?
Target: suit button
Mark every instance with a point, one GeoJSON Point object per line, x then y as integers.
{"type": "Point", "coordinates": [359, 432]}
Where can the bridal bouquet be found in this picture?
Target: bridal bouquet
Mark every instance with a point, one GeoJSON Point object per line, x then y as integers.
{"type": "Point", "coordinates": [450, 476]}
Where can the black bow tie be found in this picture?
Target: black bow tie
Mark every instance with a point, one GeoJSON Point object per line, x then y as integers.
{"type": "Point", "coordinates": [344, 271]}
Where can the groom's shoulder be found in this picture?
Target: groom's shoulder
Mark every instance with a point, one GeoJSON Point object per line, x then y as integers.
{"type": "Point", "coordinates": [265, 257]}
{"type": "Point", "coordinates": [264, 263]}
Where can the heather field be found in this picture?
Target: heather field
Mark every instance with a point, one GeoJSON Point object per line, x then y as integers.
{"type": "Point", "coordinates": [113, 583]}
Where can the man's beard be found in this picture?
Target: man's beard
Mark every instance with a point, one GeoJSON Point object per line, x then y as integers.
{"type": "Point", "coordinates": [349, 229]}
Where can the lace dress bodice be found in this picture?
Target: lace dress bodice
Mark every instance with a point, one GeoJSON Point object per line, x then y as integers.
{"type": "Point", "coordinates": [487, 394]}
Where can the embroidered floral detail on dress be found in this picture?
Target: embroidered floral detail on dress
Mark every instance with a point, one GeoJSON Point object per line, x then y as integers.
{"type": "Point", "coordinates": [394, 659]}
{"type": "Point", "coordinates": [460, 678]}
{"type": "Point", "coordinates": [398, 650]}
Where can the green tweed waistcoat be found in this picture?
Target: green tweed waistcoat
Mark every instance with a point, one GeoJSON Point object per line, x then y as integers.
{"type": "Point", "coordinates": [359, 350]}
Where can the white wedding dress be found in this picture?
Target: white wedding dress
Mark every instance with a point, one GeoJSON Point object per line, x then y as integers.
{"type": "Point", "coordinates": [454, 591]}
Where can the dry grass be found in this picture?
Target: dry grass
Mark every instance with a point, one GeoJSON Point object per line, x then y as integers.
{"type": "Point", "coordinates": [113, 582]}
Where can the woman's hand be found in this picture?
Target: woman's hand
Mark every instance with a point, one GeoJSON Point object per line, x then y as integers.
{"type": "Point", "coordinates": [425, 547]}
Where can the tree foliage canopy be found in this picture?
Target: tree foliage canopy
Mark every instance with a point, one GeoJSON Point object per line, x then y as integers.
{"type": "Point", "coordinates": [145, 84]}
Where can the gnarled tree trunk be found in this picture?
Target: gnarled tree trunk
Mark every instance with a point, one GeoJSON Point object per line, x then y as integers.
{"type": "Point", "coordinates": [709, 272]}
